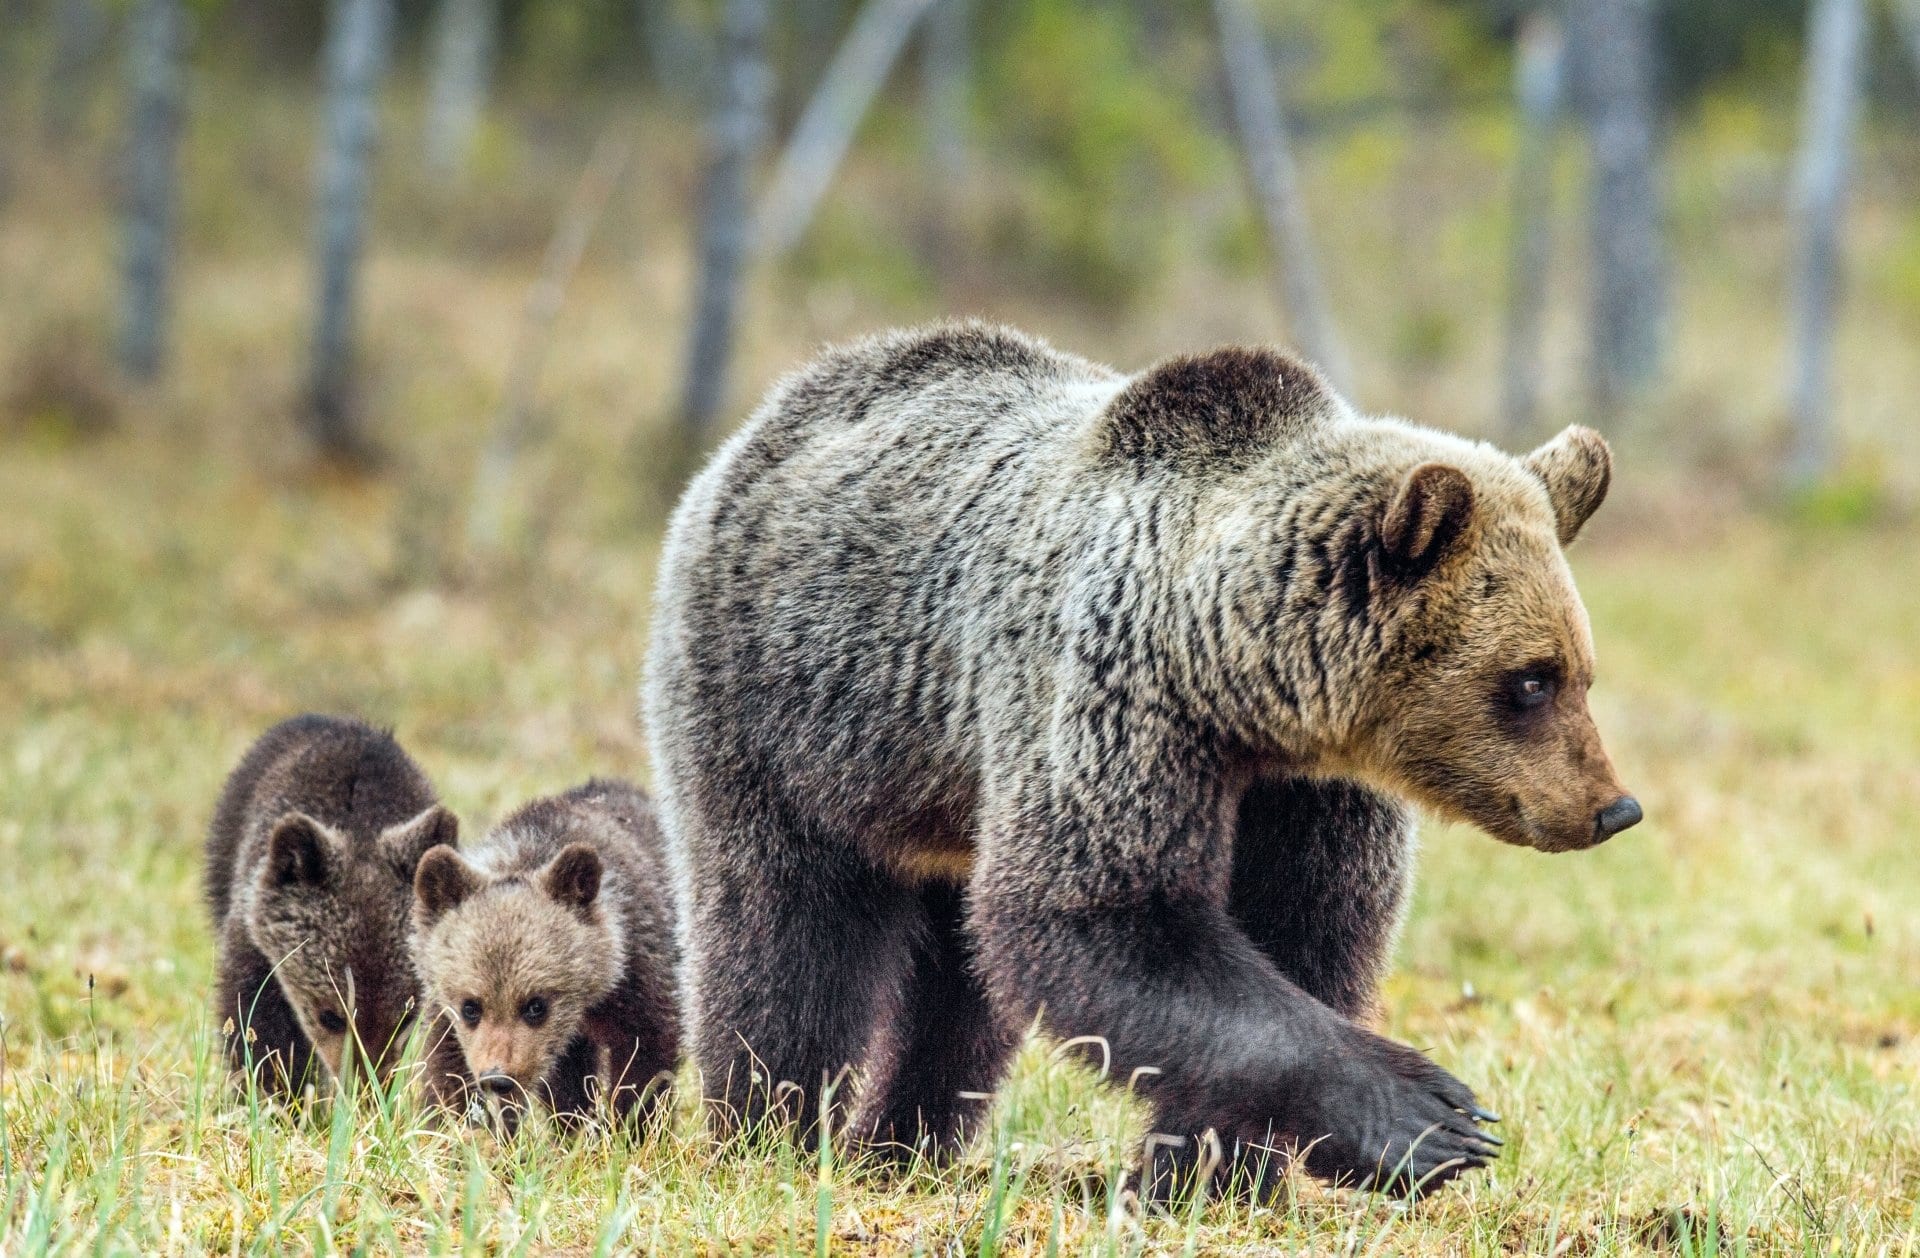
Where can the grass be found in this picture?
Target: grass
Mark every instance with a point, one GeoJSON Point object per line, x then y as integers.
{"type": "Point", "coordinates": [1705, 1036]}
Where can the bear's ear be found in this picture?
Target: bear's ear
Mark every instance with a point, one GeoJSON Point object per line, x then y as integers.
{"type": "Point", "coordinates": [407, 842]}
{"type": "Point", "coordinates": [1576, 467]}
{"type": "Point", "coordinates": [573, 877]}
{"type": "Point", "coordinates": [299, 852]}
{"type": "Point", "coordinates": [1429, 511]}
{"type": "Point", "coordinates": [443, 882]}
{"type": "Point", "coordinates": [1222, 406]}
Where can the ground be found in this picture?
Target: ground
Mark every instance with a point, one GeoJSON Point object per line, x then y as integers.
{"type": "Point", "coordinates": [1703, 1036]}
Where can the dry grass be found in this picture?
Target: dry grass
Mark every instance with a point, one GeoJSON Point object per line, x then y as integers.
{"type": "Point", "coordinates": [1704, 1036]}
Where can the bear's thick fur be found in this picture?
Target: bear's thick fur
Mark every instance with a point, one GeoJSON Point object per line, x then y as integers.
{"type": "Point", "coordinates": [547, 955]}
{"type": "Point", "coordinates": [989, 685]}
{"type": "Point", "coordinates": [309, 876]}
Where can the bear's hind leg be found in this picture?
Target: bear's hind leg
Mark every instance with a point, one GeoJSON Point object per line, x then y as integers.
{"type": "Point", "coordinates": [931, 1070]}
{"type": "Point", "coordinates": [796, 947]}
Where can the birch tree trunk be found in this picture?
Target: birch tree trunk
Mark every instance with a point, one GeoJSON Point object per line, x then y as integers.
{"type": "Point", "coordinates": [736, 130]}
{"type": "Point", "coordinates": [1268, 154]}
{"type": "Point", "coordinates": [1836, 34]}
{"type": "Point", "coordinates": [156, 38]}
{"type": "Point", "coordinates": [463, 40]}
{"type": "Point", "coordinates": [827, 126]}
{"type": "Point", "coordinates": [356, 54]}
{"type": "Point", "coordinates": [1613, 50]}
{"type": "Point", "coordinates": [1539, 88]}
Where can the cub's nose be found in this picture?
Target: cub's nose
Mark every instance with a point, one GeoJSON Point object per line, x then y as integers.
{"type": "Point", "coordinates": [1621, 814]}
{"type": "Point", "coordinates": [498, 1082]}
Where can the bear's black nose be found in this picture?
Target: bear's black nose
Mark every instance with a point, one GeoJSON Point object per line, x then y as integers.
{"type": "Point", "coordinates": [498, 1082]}
{"type": "Point", "coordinates": [1621, 814]}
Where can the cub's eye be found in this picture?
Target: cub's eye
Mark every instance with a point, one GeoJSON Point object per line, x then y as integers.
{"type": "Point", "coordinates": [470, 1012]}
{"type": "Point", "coordinates": [534, 1011]}
{"type": "Point", "coordinates": [331, 1022]}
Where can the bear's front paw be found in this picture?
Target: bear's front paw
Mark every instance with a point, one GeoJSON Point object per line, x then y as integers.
{"type": "Point", "coordinates": [1390, 1119]}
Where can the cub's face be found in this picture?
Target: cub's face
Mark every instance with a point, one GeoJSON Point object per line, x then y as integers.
{"type": "Point", "coordinates": [1485, 696]}
{"type": "Point", "coordinates": [333, 921]}
{"type": "Point", "coordinates": [516, 962]}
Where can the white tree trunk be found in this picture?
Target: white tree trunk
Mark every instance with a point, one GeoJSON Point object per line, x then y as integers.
{"type": "Point", "coordinates": [1836, 34]}
{"type": "Point", "coordinates": [457, 80]}
{"type": "Point", "coordinates": [1539, 73]}
{"type": "Point", "coordinates": [492, 483]}
{"type": "Point", "coordinates": [826, 128]}
{"type": "Point", "coordinates": [736, 131]}
{"type": "Point", "coordinates": [1268, 154]}
{"type": "Point", "coordinates": [947, 68]}
{"type": "Point", "coordinates": [356, 53]}
{"type": "Point", "coordinates": [156, 39]}
{"type": "Point", "coordinates": [1614, 54]}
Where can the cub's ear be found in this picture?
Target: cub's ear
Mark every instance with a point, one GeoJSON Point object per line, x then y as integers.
{"type": "Point", "coordinates": [407, 842]}
{"type": "Point", "coordinates": [1429, 511]}
{"type": "Point", "coordinates": [573, 877]}
{"type": "Point", "coordinates": [1577, 467]}
{"type": "Point", "coordinates": [443, 882]}
{"type": "Point", "coordinates": [1222, 407]}
{"type": "Point", "coordinates": [299, 851]}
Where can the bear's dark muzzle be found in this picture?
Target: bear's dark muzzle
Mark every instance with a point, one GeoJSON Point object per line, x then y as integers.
{"type": "Point", "coordinates": [1621, 814]}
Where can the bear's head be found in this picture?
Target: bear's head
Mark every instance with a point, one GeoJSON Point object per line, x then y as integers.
{"type": "Point", "coordinates": [1383, 601]}
{"type": "Point", "coordinates": [1477, 701]}
{"type": "Point", "coordinates": [515, 960]}
{"type": "Point", "coordinates": [331, 914]}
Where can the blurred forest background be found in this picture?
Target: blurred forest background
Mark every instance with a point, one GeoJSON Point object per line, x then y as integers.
{"type": "Point", "coordinates": [352, 353]}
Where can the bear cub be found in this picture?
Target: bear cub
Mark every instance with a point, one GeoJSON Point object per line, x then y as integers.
{"type": "Point", "coordinates": [548, 954]}
{"type": "Point", "coordinates": [309, 876]}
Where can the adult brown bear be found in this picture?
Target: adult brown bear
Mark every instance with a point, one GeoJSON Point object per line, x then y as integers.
{"type": "Point", "coordinates": [988, 684]}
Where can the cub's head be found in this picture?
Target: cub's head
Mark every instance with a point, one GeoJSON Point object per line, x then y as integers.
{"type": "Point", "coordinates": [1478, 708]}
{"type": "Point", "coordinates": [515, 960]}
{"type": "Point", "coordinates": [331, 915]}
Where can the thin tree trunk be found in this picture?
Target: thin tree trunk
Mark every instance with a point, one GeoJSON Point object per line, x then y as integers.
{"type": "Point", "coordinates": [1613, 48]}
{"type": "Point", "coordinates": [826, 128]}
{"type": "Point", "coordinates": [79, 31]}
{"type": "Point", "coordinates": [1836, 33]}
{"type": "Point", "coordinates": [1268, 154]}
{"type": "Point", "coordinates": [156, 37]}
{"type": "Point", "coordinates": [1539, 88]}
{"type": "Point", "coordinates": [737, 130]}
{"type": "Point", "coordinates": [463, 40]}
{"type": "Point", "coordinates": [356, 54]}
{"type": "Point", "coordinates": [514, 427]}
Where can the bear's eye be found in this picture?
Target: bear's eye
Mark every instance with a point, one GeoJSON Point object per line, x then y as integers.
{"type": "Point", "coordinates": [331, 1022]}
{"type": "Point", "coordinates": [534, 1011]}
{"type": "Point", "coordinates": [470, 1012]}
{"type": "Point", "coordinates": [1530, 689]}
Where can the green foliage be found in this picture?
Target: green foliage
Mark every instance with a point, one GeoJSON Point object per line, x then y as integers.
{"type": "Point", "coordinates": [1103, 144]}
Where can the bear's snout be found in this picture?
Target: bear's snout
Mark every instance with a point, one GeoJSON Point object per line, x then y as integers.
{"type": "Point", "coordinates": [1621, 814]}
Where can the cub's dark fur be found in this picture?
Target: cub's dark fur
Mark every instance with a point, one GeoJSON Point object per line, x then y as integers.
{"type": "Point", "coordinates": [548, 955]}
{"type": "Point", "coordinates": [990, 684]}
{"type": "Point", "coordinates": [310, 861]}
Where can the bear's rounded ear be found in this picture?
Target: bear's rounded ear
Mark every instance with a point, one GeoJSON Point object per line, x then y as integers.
{"type": "Point", "coordinates": [573, 877]}
{"type": "Point", "coordinates": [1429, 510]}
{"type": "Point", "coordinates": [407, 842]}
{"type": "Point", "coordinates": [299, 851]}
{"type": "Point", "coordinates": [1576, 468]}
{"type": "Point", "coordinates": [443, 882]}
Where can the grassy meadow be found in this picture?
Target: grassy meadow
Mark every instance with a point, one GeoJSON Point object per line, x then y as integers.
{"type": "Point", "coordinates": [1704, 1036]}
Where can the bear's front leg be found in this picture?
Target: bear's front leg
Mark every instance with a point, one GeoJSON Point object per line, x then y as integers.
{"type": "Point", "coordinates": [1100, 905]}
